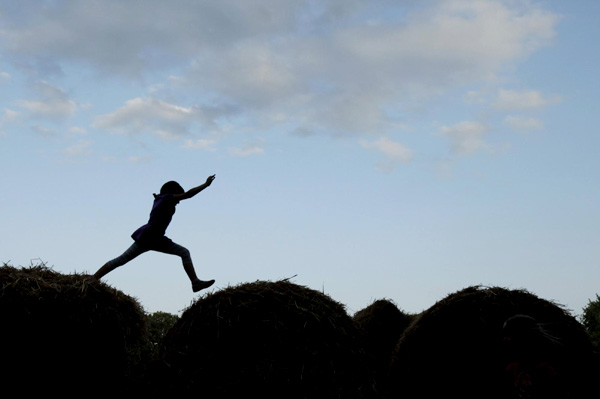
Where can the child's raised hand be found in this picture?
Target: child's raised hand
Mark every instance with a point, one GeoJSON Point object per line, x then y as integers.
{"type": "Point", "coordinates": [210, 179]}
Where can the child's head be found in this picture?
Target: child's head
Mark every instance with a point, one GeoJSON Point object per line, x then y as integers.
{"type": "Point", "coordinates": [171, 187]}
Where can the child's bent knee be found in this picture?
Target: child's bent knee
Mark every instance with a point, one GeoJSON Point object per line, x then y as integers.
{"type": "Point", "coordinates": [186, 257]}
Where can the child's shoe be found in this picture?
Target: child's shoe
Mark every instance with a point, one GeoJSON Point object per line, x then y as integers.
{"type": "Point", "coordinates": [200, 285]}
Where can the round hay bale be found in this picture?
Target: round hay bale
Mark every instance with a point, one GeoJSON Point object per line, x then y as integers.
{"type": "Point", "coordinates": [264, 339]}
{"type": "Point", "coordinates": [464, 347]}
{"type": "Point", "coordinates": [66, 333]}
{"type": "Point", "coordinates": [381, 325]}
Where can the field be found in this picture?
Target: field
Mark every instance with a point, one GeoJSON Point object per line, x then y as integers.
{"type": "Point", "coordinates": [71, 334]}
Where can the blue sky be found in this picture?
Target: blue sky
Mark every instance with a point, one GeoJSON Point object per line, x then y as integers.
{"type": "Point", "coordinates": [372, 149]}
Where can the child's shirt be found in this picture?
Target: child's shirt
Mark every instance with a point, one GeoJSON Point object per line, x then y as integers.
{"type": "Point", "coordinates": [162, 212]}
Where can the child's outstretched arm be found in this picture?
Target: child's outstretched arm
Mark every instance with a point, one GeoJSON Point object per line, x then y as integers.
{"type": "Point", "coordinates": [193, 191]}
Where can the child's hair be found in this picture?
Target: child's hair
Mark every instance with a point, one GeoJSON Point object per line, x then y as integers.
{"type": "Point", "coordinates": [171, 187]}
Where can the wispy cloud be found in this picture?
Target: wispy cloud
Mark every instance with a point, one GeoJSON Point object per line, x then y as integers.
{"type": "Point", "coordinates": [524, 100]}
{"type": "Point", "coordinates": [200, 144]}
{"type": "Point", "coordinates": [160, 118]}
{"type": "Point", "coordinates": [340, 68]}
{"type": "Point", "coordinates": [7, 117]}
{"type": "Point", "coordinates": [466, 137]}
{"type": "Point", "coordinates": [77, 130]}
{"type": "Point", "coordinates": [52, 103]}
{"type": "Point", "coordinates": [45, 131]}
{"type": "Point", "coordinates": [523, 123]}
{"type": "Point", "coordinates": [392, 150]}
{"type": "Point", "coordinates": [79, 149]}
{"type": "Point", "coordinates": [141, 159]}
{"type": "Point", "coordinates": [148, 115]}
{"type": "Point", "coordinates": [334, 68]}
{"type": "Point", "coordinates": [255, 147]}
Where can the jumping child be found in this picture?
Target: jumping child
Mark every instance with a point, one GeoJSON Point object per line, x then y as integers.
{"type": "Point", "coordinates": [151, 236]}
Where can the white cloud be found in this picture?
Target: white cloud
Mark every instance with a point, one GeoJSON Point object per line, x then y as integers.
{"type": "Point", "coordinates": [79, 149]}
{"type": "Point", "coordinates": [52, 103]}
{"type": "Point", "coordinates": [473, 97]}
{"type": "Point", "coordinates": [249, 148]}
{"type": "Point", "coordinates": [140, 159]}
{"type": "Point", "coordinates": [393, 150]}
{"type": "Point", "coordinates": [522, 123]}
{"type": "Point", "coordinates": [523, 100]}
{"type": "Point", "coordinates": [78, 130]}
{"type": "Point", "coordinates": [45, 131]}
{"type": "Point", "coordinates": [343, 81]}
{"type": "Point", "coordinates": [130, 37]}
{"type": "Point", "coordinates": [158, 117]}
{"type": "Point", "coordinates": [466, 137]}
{"type": "Point", "coordinates": [253, 72]}
{"type": "Point", "coordinates": [143, 115]}
{"type": "Point", "coordinates": [8, 116]}
{"type": "Point", "coordinates": [200, 144]}
{"type": "Point", "coordinates": [334, 66]}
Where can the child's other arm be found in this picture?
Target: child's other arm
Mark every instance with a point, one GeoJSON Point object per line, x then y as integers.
{"type": "Point", "coordinates": [193, 191]}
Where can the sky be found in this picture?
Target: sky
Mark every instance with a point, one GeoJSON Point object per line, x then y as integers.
{"type": "Point", "coordinates": [399, 150]}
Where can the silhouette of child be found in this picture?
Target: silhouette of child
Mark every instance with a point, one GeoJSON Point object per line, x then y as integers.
{"type": "Point", "coordinates": [151, 236]}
